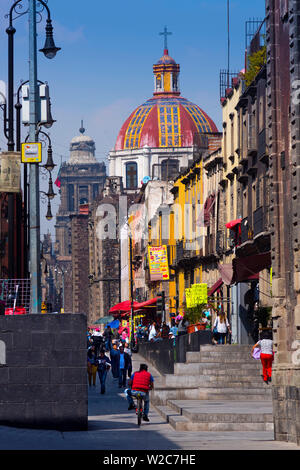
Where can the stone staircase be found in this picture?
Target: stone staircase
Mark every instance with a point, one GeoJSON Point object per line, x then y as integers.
{"type": "Point", "coordinates": [219, 388]}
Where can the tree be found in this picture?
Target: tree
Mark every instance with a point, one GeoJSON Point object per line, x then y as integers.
{"type": "Point", "coordinates": [256, 61]}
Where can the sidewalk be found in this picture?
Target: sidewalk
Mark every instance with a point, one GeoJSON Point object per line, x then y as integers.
{"type": "Point", "coordinates": [113, 427]}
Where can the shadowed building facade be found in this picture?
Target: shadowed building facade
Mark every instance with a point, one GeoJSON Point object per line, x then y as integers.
{"type": "Point", "coordinates": [80, 180]}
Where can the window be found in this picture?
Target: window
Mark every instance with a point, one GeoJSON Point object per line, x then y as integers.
{"type": "Point", "coordinates": [83, 195]}
{"type": "Point", "coordinates": [71, 197]}
{"type": "Point", "coordinates": [169, 169]}
{"type": "Point", "coordinates": [131, 175]}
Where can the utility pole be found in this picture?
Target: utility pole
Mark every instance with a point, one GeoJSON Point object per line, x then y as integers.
{"type": "Point", "coordinates": [131, 293]}
{"type": "Point", "coordinates": [34, 193]}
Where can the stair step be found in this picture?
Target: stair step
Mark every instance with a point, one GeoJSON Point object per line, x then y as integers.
{"type": "Point", "coordinates": [200, 415]}
{"type": "Point", "coordinates": [166, 412]}
{"type": "Point", "coordinates": [192, 366]}
{"type": "Point", "coordinates": [213, 381]}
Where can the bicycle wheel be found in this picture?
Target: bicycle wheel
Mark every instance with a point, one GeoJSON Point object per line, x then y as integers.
{"type": "Point", "coordinates": [139, 410]}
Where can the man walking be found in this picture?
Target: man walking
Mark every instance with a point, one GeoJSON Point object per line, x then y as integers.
{"type": "Point", "coordinates": [103, 367]}
{"type": "Point", "coordinates": [140, 382]}
{"type": "Point", "coordinates": [124, 365]}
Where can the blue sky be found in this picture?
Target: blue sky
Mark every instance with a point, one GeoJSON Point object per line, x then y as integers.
{"type": "Point", "coordinates": [104, 69]}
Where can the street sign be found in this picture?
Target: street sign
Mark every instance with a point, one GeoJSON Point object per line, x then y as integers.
{"type": "Point", "coordinates": [32, 152]}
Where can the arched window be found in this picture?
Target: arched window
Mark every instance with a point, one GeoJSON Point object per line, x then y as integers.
{"type": "Point", "coordinates": [131, 175]}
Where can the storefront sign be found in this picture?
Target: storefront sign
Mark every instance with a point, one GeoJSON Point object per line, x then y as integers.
{"type": "Point", "coordinates": [32, 152]}
{"type": "Point", "coordinates": [10, 172]}
{"type": "Point", "coordinates": [158, 263]}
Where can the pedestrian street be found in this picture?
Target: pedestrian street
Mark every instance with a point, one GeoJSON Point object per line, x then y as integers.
{"type": "Point", "coordinates": [113, 427]}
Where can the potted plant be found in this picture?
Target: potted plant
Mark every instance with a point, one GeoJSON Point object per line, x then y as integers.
{"type": "Point", "coordinates": [194, 315]}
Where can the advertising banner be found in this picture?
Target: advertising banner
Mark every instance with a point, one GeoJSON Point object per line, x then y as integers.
{"type": "Point", "coordinates": [10, 172]}
{"type": "Point", "coordinates": [158, 263]}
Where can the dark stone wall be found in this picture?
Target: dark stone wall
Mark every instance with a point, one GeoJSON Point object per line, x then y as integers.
{"type": "Point", "coordinates": [80, 263]}
{"type": "Point", "coordinates": [164, 354]}
{"type": "Point", "coordinates": [43, 371]}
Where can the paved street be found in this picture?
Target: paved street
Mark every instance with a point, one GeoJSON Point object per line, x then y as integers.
{"type": "Point", "coordinates": [113, 427]}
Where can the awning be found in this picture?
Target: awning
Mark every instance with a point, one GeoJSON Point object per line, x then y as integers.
{"type": "Point", "coordinates": [147, 303]}
{"type": "Point", "coordinates": [215, 287]}
{"type": "Point", "coordinates": [122, 307]}
{"type": "Point", "coordinates": [244, 269]}
{"type": "Point", "coordinates": [233, 224]}
{"type": "Point", "coordinates": [103, 320]}
{"type": "Point", "coordinates": [125, 307]}
{"type": "Point", "coordinates": [226, 273]}
{"type": "Point", "coordinates": [247, 268]}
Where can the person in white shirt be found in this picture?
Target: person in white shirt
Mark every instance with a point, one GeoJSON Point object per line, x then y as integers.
{"type": "Point", "coordinates": [266, 355]}
{"type": "Point", "coordinates": [222, 326]}
{"type": "Point", "coordinates": [152, 332]}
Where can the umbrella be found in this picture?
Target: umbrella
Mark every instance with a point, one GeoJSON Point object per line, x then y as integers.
{"type": "Point", "coordinates": [103, 320]}
{"type": "Point", "coordinates": [114, 324]}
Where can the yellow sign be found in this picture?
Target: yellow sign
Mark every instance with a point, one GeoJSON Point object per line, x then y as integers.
{"type": "Point", "coordinates": [32, 152]}
{"type": "Point", "coordinates": [158, 263]}
{"type": "Point", "coordinates": [196, 295]}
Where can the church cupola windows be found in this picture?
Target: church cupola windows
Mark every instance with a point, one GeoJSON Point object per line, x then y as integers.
{"type": "Point", "coordinates": [166, 71]}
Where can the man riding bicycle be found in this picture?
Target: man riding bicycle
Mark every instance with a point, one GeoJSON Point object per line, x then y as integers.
{"type": "Point", "coordinates": [140, 382]}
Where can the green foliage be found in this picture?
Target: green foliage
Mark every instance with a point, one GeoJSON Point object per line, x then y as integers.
{"type": "Point", "coordinates": [195, 314]}
{"type": "Point", "coordinates": [256, 61]}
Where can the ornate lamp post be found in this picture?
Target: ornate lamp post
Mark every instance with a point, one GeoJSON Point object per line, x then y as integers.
{"type": "Point", "coordinates": [49, 51]}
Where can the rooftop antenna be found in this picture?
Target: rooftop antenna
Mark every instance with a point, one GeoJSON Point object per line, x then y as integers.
{"type": "Point", "coordinates": [228, 42]}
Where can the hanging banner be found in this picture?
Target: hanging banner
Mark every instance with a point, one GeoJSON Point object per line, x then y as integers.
{"type": "Point", "coordinates": [10, 172]}
{"type": "Point", "coordinates": [158, 263]}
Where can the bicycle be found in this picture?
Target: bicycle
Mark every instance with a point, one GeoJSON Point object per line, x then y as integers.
{"type": "Point", "coordinates": [139, 408]}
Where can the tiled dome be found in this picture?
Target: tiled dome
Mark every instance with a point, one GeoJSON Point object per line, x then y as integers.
{"type": "Point", "coordinates": [165, 121]}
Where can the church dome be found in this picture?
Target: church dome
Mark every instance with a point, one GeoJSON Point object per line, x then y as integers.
{"type": "Point", "coordinates": [82, 149]}
{"type": "Point", "coordinates": [166, 119]}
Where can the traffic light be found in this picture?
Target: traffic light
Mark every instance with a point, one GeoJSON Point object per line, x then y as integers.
{"type": "Point", "coordinates": [160, 303]}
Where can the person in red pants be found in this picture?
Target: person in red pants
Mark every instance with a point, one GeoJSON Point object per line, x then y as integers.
{"type": "Point", "coordinates": [266, 355]}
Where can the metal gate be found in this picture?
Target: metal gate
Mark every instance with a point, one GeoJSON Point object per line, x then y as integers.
{"type": "Point", "coordinates": [15, 296]}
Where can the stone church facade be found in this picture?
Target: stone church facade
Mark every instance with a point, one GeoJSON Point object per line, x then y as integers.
{"type": "Point", "coordinates": [81, 180]}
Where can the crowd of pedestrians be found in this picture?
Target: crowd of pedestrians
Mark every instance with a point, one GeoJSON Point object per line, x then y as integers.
{"type": "Point", "coordinates": [110, 351]}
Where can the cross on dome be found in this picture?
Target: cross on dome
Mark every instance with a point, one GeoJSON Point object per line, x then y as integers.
{"type": "Point", "coordinates": [165, 33]}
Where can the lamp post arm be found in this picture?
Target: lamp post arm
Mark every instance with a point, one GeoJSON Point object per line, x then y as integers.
{"type": "Point", "coordinates": [11, 12]}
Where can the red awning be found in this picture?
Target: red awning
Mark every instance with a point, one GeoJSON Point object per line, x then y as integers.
{"type": "Point", "coordinates": [147, 303]}
{"type": "Point", "coordinates": [125, 307]}
{"type": "Point", "coordinates": [215, 287]}
{"type": "Point", "coordinates": [122, 307]}
{"type": "Point", "coordinates": [233, 224]}
{"type": "Point", "coordinates": [247, 269]}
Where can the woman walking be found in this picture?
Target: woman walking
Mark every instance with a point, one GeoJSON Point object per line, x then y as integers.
{"type": "Point", "coordinates": [266, 355]}
{"type": "Point", "coordinates": [221, 327]}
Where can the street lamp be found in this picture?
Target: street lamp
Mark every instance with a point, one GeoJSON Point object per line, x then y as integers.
{"type": "Point", "coordinates": [61, 270]}
{"type": "Point", "coordinates": [49, 49]}
{"type": "Point", "coordinates": [34, 246]}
